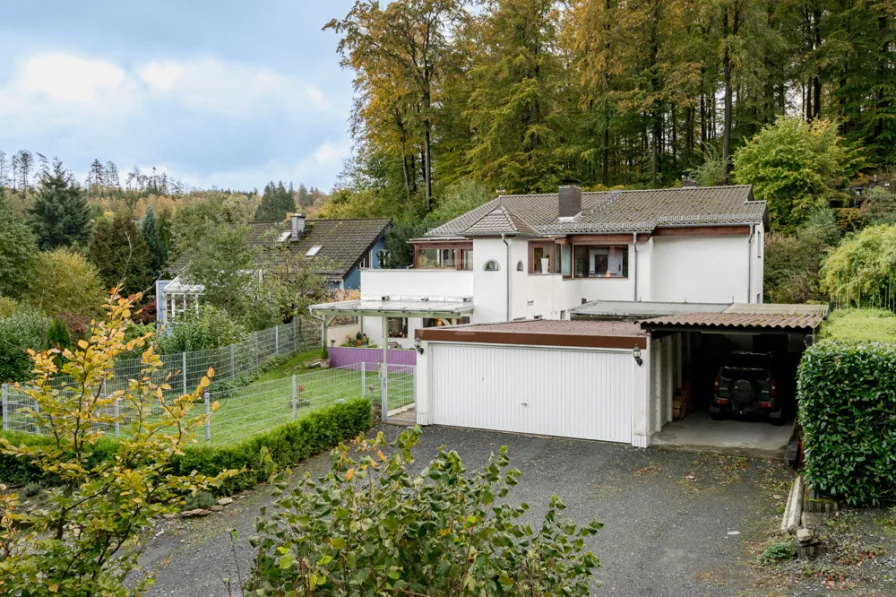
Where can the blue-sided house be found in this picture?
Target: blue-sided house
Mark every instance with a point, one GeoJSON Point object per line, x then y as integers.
{"type": "Point", "coordinates": [341, 247]}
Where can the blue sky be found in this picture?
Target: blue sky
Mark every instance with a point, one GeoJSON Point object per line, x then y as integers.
{"type": "Point", "coordinates": [222, 93]}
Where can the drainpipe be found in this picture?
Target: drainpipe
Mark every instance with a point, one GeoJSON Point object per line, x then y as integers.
{"type": "Point", "coordinates": [635, 273]}
{"type": "Point", "coordinates": [750, 263]}
{"type": "Point", "coordinates": [507, 269]}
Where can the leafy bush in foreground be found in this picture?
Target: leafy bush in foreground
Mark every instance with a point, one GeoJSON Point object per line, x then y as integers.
{"type": "Point", "coordinates": [371, 527]}
{"type": "Point", "coordinates": [847, 410]}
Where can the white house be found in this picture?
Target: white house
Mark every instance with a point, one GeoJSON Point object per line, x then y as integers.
{"type": "Point", "coordinates": [587, 315]}
{"type": "Point", "coordinates": [538, 256]}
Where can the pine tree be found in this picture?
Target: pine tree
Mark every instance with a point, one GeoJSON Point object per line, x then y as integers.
{"type": "Point", "coordinates": [17, 250]}
{"type": "Point", "coordinates": [152, 235]}
{"type": "Point", "coordinates": [120, 254]}
{"type": "Point", "coordinates": [60, 216]}
{"type": "Point", "coordinates": [275, 204]}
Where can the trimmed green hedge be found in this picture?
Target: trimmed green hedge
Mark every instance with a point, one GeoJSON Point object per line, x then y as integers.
{"type": "Point", "coordinates": [847, 410]}
{"type": "Point", "coordinates": [287, 445]}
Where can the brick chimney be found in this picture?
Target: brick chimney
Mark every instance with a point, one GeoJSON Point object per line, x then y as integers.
{"type": "Point", "coordinates": [298, 226]}
{"type": "Point", "coordinates": [570, 200]}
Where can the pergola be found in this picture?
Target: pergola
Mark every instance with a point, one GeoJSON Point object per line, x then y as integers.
{"type": "Point", "coordinates": [386, 307]}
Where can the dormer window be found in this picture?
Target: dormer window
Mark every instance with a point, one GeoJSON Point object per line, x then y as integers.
{"type": "Point", "coordinates": [313, 251]}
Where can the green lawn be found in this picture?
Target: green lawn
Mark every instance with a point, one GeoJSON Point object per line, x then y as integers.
{"type": "Point", "coordinates": [268, 402]}
{"type": "Point", "coordinates": [874, 325]}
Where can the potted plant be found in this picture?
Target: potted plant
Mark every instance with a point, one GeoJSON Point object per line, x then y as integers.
{"type": "Point", "coordinates": [324, 358]}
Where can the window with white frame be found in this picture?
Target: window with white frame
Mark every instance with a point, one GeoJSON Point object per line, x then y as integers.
{"type": "Point", "coordinates": [601, 262]}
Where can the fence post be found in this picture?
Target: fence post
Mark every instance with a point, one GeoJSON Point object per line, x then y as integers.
{"type": "Point", "coordinates": [117, 415]}
{"type": "Point", "coordinates": [5, 392]}
{"type": "Point", "coordinates": [384, 393]}
{"type": "Point", "coordinates": [295, 334]}
{"type": "Point", "coordinates": [255, 345]}
{"type": "Point", "coordinates": [277, 340]}
{"type": "Point", "coordinates": [208, 417]}
{"type": "Point", "coordinates": [363, 379]}
{"type": "Point", "coordinates": [183, 360]}
{"type": "Point", "coordinates": [232, 363]}
{"type": "Point", "coordinates": [294, 397]}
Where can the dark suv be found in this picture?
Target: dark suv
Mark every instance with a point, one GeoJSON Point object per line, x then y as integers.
{"type": "Point", "coordinates": [746, 385]}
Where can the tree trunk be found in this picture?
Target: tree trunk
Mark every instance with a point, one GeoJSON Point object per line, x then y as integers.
{"type": "Point", "coordinates": [734, 14]}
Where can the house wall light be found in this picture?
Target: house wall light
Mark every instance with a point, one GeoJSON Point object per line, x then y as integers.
{"type": "Point", "coordinates": [636, 354]}
{"type": "Point", "coordinates": [418, 344]}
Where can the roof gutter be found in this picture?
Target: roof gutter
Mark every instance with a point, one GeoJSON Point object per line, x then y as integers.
{"type": "Point", "coordinates": [635, 266]}
{"type": "Point", "coordinates": [750, 263]}
{"type": "Point", "coordinates": [507, 275]}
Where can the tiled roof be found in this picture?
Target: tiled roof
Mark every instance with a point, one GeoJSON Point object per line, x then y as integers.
{"type": "Point", "coordinates": [500, 220]}
{"type": "Point", "coordinates": [342, 242]}
{"type": "Point", "coordinates": [771, 316]}
{"type": "Point", "coordinates": [621, 211]}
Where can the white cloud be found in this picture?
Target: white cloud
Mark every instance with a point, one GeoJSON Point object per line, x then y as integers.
{"type": "Point", "coordinates": [209, 84]}
{"type": "Point", "coordinates": [247, 124]}
{"type": "Point", "coordinates": [67, 78]}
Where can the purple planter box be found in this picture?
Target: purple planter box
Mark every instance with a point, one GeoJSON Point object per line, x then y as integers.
{"type": "Point", "coordinates": [342, 356]}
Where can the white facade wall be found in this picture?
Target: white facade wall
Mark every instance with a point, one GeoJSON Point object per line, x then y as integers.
{"type": "Point", "coordinates": [447, 283]}
{"type": "Point", "coordinates": [709, 269]}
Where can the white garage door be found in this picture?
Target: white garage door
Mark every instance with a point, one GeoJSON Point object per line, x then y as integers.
{"type": "Point", "coordinates": [562, 392]}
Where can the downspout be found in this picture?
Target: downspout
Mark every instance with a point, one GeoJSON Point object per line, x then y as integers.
{"type": "Point", "coordinates": [507, 269]}
{"type": "Point", "coordinates": [635, 274]}
{"type": "Point", "coordinates": [750, 263]}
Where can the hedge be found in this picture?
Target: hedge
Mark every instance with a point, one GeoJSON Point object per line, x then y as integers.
{"type": "Point", "coordinates": [847, 411]}
{"type": "Point", "coordinates": [286, 445]}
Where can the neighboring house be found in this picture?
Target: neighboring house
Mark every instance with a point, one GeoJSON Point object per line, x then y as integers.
{"type": "Point", "coordinates": [538, 256]}
{"type": "Point", "coordinates": [342, 247]}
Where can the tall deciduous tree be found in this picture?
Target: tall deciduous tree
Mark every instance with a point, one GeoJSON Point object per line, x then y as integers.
{"type": "Point", "coordinates": [60, 216]}
{"type": "Point", "coordinates": [409, 43]}
{"type": "Point", "coordinates": [514, 109]}
{"type": "Point", "coordinates": [65, 283]}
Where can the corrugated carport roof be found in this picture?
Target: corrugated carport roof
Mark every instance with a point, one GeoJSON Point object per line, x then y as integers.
{"type": "Point", "coordinates": [543, 332]}
{"type": "Point", "coordinates": [758, 317]}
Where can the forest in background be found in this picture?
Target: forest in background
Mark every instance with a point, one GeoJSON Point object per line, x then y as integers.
{"type": "Point", "coordinates": [516, 95]}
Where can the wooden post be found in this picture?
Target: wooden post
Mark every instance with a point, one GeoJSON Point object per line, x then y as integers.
{"type": "Point", "coordinates": [384, 370]}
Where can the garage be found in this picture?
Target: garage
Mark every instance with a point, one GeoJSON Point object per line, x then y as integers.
{"type": "Point", "coordinates": [556, 378]}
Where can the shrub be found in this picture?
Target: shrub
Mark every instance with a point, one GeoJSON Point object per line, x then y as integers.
{"type": "Point", "coordinates": [862, 270]}
{"type": "Point", "coordinates": [283, 446]}
{"type": "Point", "coordinates": [77, 544]}
{"type": "Point", "coordinates": [777, 552]}
{"type": "Point", "coordinates": [64, 282]}
{"type": "Point", "coordinates": [255, 457]}
{"type": "Point", "coordinates": [371, 527]}
{"type": "Point", "coordinates": [58, 336]}
{"type": "Point", "coordinates": [870, 325]}
{"type": "Point", "coordinates": [8, 306]}
{"type": "Point", "coordinates": [210, 328]}
{"type": "Point", "coordinates": [24, 329]}
{"type": "Point", "coordinates": [847, 410]}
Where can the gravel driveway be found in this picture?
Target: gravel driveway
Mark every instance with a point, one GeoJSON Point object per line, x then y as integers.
{"type": "Point", "coordinates": [675, 523]}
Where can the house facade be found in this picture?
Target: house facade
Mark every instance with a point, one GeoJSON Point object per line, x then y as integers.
{"type": "Point", "coordinates": [342, 248]}
{"type": "Point", "coordinates": [525, 257]}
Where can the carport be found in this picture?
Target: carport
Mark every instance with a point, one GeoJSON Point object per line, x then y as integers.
{"type": "Point", "coordinates": [687, 350]}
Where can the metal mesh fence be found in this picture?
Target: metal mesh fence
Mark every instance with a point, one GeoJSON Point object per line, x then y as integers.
{"type": "Point", "coordinates": [255, 408]}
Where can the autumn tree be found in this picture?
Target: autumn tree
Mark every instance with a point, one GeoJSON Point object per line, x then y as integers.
{"type": "Point", "coordinates": [407, 43]}
{"type": "Point", "coordinates": [85, 540]}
